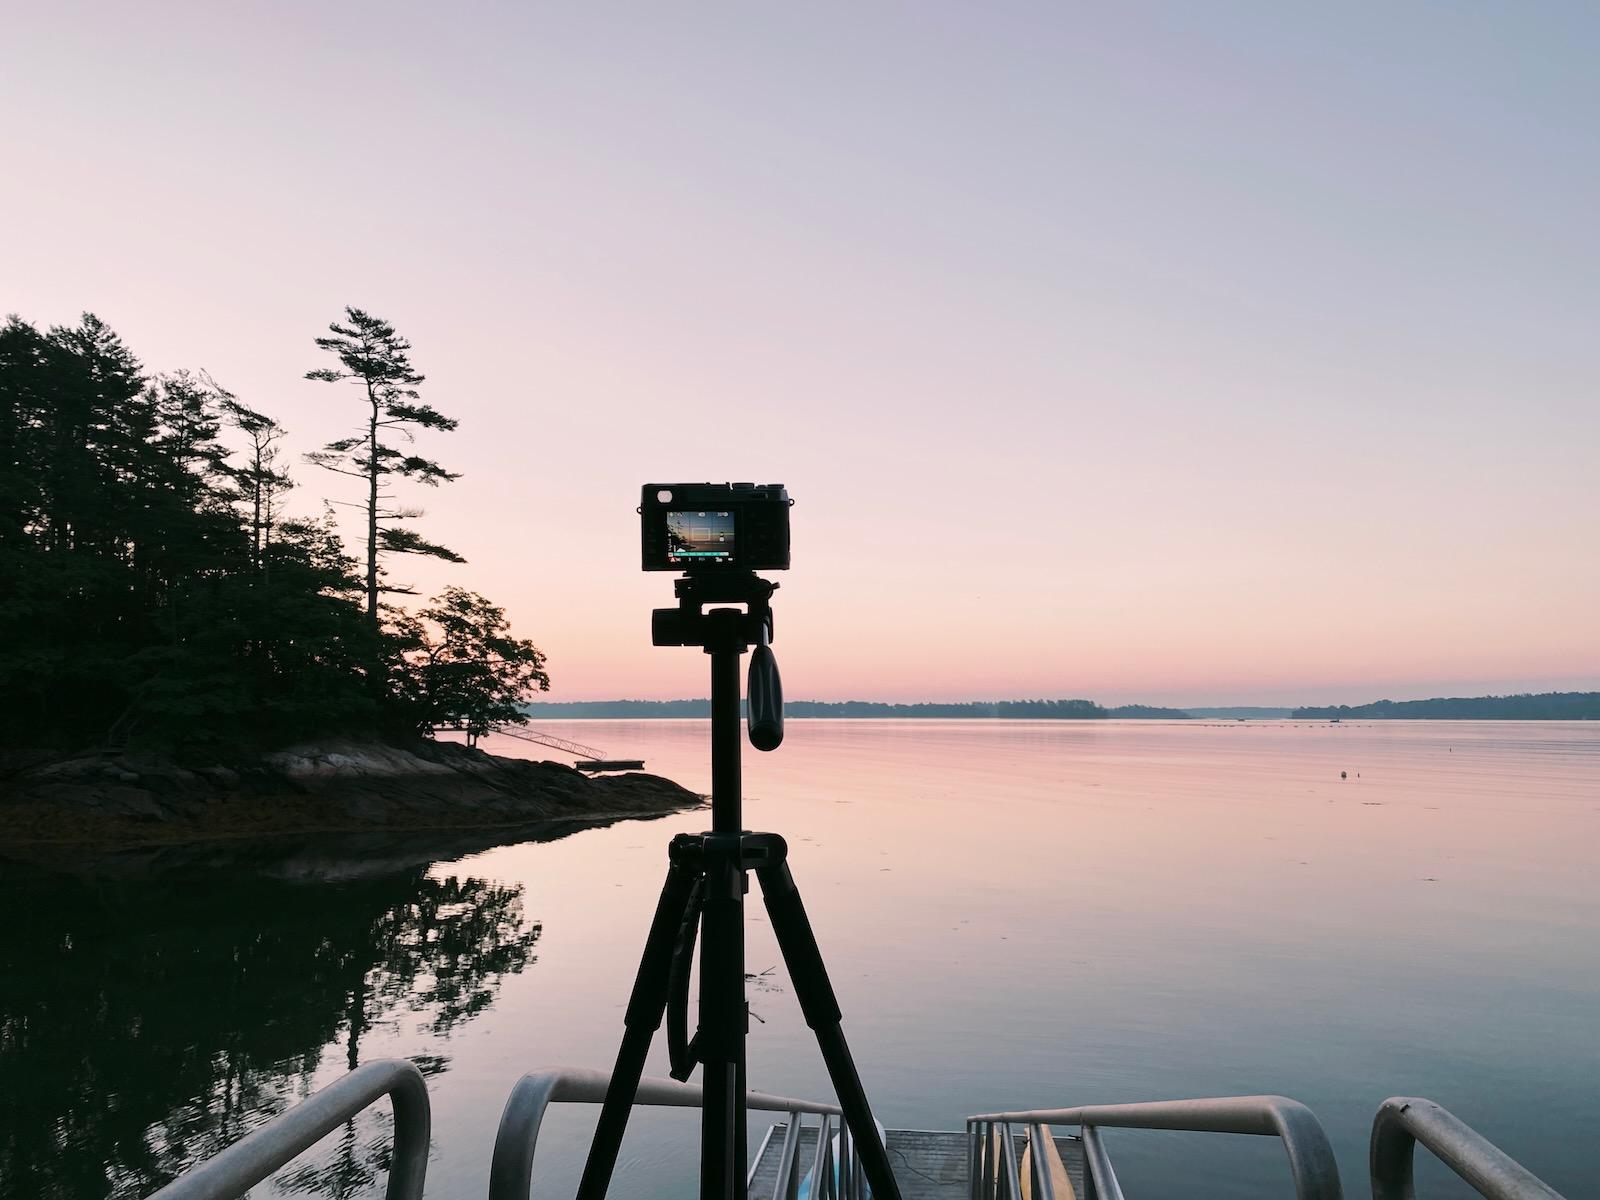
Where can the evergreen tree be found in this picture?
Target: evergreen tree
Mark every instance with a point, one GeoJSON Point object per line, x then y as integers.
{"type": "Point", "coordinates": [74, 599]}
{"type": "Point", "coordinates": [463, 667]}
{"type": "Point", "coordinates": [261, 482]}
{"type": "Point", "coordinates": [378, 361]}
{"type": "Point", "coordinates": [187, 414]}
{"type": "Point", "coordinates": [24, 390]}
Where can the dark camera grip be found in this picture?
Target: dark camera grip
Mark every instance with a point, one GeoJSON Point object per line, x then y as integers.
{"type": "Point", "coordinates": [766, 700]}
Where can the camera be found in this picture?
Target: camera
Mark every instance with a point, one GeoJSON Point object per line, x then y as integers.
{"type": "Point", "coordinates": [703, 527]}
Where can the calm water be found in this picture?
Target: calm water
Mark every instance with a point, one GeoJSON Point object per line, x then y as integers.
{"type": "Point", "coordinates": [1016, 915]}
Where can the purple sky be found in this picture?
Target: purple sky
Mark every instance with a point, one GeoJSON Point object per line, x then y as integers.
{"type": "Point", "coordinates": [1222, 352]}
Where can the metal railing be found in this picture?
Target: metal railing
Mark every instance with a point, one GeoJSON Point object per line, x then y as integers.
{"type": "Point", "coordinates": [828, 1181]}
{"type": "Point", "coordinates": [511, 1170]}
{"type": "Point", "coordinates": [993, 1164]}
{"type": "Point", "coordinates": [992, 1155]}
{"type": "Point", "coordinates": [566, 745]}
{"type": "Point", "coordinates": [231, 1173]}
{"type": "Point", "coordinates": [1403, 1121]}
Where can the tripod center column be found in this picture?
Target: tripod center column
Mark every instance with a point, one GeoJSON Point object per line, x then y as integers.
{"type": "Point", "coordinates": [725, 646]}
{"type": "Point", "coordinates": [722, 1000]}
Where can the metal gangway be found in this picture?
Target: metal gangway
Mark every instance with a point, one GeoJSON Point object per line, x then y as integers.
{"type": "Point", "coordinates": [590, 759]}
{"type": "Point", "coordinates": [565, 745]}
{"type": "Point", "coordinates": [1001, 1156]}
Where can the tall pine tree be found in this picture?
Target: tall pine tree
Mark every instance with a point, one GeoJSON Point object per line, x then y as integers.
{"type": "Point", "coordinates": [377, 360]}
{"type": "Point", "coordinates": [261, 482]}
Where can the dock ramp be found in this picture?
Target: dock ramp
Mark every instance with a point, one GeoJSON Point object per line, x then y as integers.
{"type": "Point", "coordinates": [928, 1164]}
{"type": "Point", "coordinates": [590, 759]}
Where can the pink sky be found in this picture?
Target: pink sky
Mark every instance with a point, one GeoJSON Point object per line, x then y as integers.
{"type": "Point", "coordinates": [1136, 355]}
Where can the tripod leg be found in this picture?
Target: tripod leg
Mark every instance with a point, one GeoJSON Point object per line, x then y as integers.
{"type": "Point", "coordinates": [721, 1040]}
{"type": "Point", "coordinates": [741, 1127]}
{"type": "Point", "coordinates": [642, 1019]}
{"type": "Point", "coordinates": [821, 1010]}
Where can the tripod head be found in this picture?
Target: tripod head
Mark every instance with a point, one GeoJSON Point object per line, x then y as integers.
{"type": "Point", "coordinates": [730, 631]}
{"type": "Point", "coordinates": [690, 625]}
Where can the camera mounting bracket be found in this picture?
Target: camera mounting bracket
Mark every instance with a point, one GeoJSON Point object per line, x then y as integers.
{"type": "Point", "coordinates": [721, 628]}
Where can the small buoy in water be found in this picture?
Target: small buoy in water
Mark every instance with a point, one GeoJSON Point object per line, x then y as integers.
{"type": "Point", "coordinates": [1342, 775]}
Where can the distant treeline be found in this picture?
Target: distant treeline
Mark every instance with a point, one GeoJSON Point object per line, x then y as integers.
{"type": "Point", "coordinates": [1241, 712]}
{"type": "Point", "coordinates": [1015, 710]}
{"type": "Point", "coordinates": [1547, 706]}
{"type": "Point", "coordinates": [1551, 706]}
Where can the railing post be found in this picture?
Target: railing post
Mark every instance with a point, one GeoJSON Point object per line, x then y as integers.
{"type": "Point", "coordinates": [819, 1160]}
{"type": "Point", "coordinates": [1039, 1161]}
{"type": "Point", "coordinates": [511, 1167]}
{"type": "Point", "coordinates": [1008, 1151]}
{"type": "Point", "coordinates": [232, 1172]}
{"type": "Point", "coordinates": [1402, 1121]}
{"type": "Point", "coordinates": [847, 1161]}
{"type": "Point", "coordinates": [1099, 1177]}
{"type": "Point", "coordinates": [785, 1187]}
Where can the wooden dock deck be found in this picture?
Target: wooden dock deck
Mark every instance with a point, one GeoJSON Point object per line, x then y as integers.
{"type": "Point", "coordinates": [928, 1164]}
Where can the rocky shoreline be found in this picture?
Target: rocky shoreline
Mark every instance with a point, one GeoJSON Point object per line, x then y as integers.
{"type": "Point", "coordinates": [134, 799]}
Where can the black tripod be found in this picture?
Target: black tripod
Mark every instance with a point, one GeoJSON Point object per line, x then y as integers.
{"type": "Point", "coordinates": [706, 882]}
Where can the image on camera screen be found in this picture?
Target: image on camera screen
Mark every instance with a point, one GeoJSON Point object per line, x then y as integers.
{"type": "Point", "coordinates": [699, 537]}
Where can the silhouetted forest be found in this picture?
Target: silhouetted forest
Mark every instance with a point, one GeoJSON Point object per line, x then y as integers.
{"type": "Point", "coordinates": [157, 586]}
{"type": "Point", "coordinates": [1547, 706]}
{"type": "Point", "coordinates": [1030, 710]}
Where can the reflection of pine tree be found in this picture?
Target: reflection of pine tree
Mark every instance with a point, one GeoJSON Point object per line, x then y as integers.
{"type": "Point", "coordinates": [354, 1167]}
{"type": "Point", "coordinates": [144, 1025]}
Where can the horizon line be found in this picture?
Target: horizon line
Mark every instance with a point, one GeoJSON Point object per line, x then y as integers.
{"type": "Point", "coordinates": [1082, 699]}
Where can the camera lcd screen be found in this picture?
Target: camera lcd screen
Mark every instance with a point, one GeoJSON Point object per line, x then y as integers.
{"type": "Point", "coordinates": [699, 537]}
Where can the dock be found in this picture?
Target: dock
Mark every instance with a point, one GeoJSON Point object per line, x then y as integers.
{"type": "Point", "coordinates": [590, 759]}
{"type": "Point", "coordinates": [928, 1164]}
{"type": "Point", "coordinates": [797, 1156]}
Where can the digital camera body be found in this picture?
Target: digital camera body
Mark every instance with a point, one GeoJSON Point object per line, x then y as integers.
{"type": "Point", "coordinates": [709, 527]}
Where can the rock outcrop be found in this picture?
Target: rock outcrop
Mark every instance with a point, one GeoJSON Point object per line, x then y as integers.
{"type": "Point", "coordinates": [329, 787]}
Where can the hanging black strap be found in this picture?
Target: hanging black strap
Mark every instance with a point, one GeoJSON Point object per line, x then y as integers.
{"type": "Point", "coordinates": [681, 1051]}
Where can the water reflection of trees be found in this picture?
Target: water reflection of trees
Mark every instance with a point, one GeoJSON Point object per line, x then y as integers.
{"type": "Point", "coordinates": [146, 1023]}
